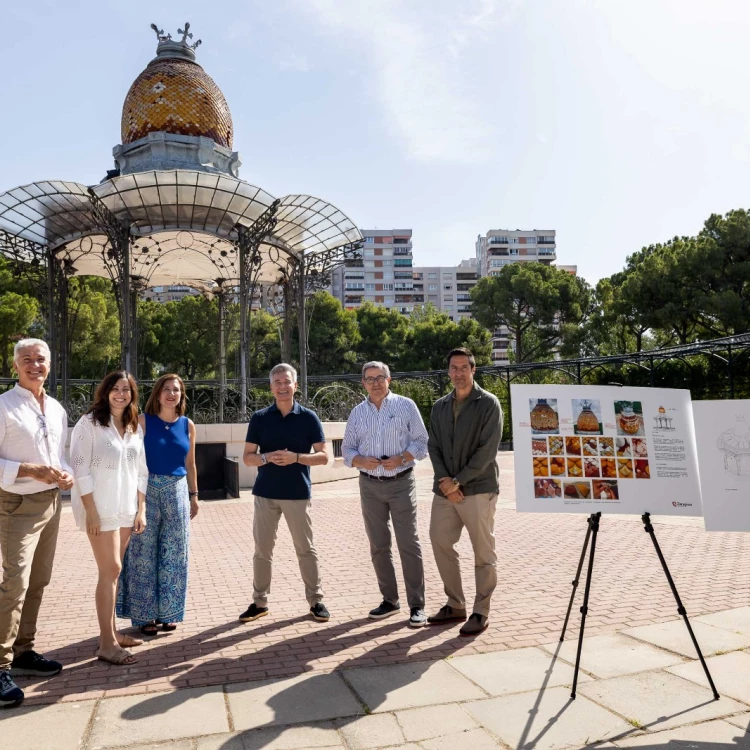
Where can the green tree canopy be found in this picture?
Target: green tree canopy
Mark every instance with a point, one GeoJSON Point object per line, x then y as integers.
{"type": "Point", "coordinates": [534, 302]}
{"type": "Point", "coordinates": [384, 332]}
{"type": "Point", "coordinates": [18, 312]}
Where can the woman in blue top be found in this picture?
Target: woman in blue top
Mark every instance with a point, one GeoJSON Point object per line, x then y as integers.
{"type": "Point", "coordinates": [153, 582]}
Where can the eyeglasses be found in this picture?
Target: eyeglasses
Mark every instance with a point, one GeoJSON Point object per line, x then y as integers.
{"type": "Point", "coordinates": [377, 379]}
{"type": "Point", "coordinates": [43, 424]}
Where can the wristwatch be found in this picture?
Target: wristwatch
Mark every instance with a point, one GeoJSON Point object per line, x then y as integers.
{"type": "Point", "coordinates": [263, 459]}
{"type": "Point", "coordinates": [456, 483]}
{"type": "Point", "coordinates": [403, 457]}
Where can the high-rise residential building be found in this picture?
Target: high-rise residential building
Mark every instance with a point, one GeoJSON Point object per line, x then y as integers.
{"type": "Point", "coordinates": [448, 287]}
{"type": "Point", "coordinates": [501, 247]}
{"type": "Point", "coordinates": [172, 293]}
{"type": "Point", "coordinates": [382, 276]}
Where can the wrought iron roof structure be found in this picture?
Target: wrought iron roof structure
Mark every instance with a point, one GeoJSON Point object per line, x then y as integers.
{"type": "Point", "coordinates": [196, 225]}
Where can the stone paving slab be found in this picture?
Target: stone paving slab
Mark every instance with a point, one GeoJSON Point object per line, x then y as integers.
{"type": "Point", "coordinates": [740, 720]}
{"type": "Point", "coordinates": [368, 732]}
{"type": "Point", "coordinates": [61, 726]}
{"type": "Point", "coordinates": [614, 655]}
{"type": "Point", "coordinates": [322, 736]}
{"type": "Point", "coordinates": [547, 720]}
{"type": "Point", "coordinates": [158, 717]}
{"type": "Point", "coordinates": [410, 685]}
{"type": "Point", "coordinates": [515, 671]}
{"type": "Point", "coordinates": [737, 620]}
{"type": "Point", "coordinates": [311, 697]}
{"type": "Point", "coordinates": [434, 721]}
{"type": "Point", "coordinates": [730, 673]}
{"type": "Point", "coordinates": [674, 636]}
{"type": "Point", "coordinates": [712, 735]}
{"type": "Point", "coordinates": [658, 700]}
{"type": "Point", "coordinates": [476, 739]}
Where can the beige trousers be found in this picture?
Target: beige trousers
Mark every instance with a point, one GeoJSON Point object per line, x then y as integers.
{"type": "Point", "coordinates": [477, 514]}
{"type": "Point", "coordinates": [28, 537]}
{"type": "Point", "coordinates": [267, 514]}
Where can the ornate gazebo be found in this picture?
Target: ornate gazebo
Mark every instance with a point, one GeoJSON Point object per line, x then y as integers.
{"type": "Point", "coordinates": [174, 212]}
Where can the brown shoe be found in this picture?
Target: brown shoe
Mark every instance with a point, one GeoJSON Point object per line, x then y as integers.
{"type": "Point", "coordinates": [475, 625]}
{"type": "Point", "coordinates": [447, 615]}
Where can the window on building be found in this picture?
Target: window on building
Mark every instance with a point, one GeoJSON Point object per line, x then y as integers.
{"type": "Point", "coordinates": [369, 252]}
{"type": "Point", "coordinates": [370, 287]}
{"type": "Point", "coordinates": [448, 287]}
{"type": "Point", "coordinates": [388, 287]}
{"type": "Point", "coordinates": [432, 287]}
{"type": "Point", "coordinates": [447, 298]}
{"type": "Point", "coordinates": [447, 275]}
{"type": "Point", "coordinates": [514, 251]}
{"type": "Point", "coordinates": [387, 274]}
{"type": "Point", "coordinates": [448, 308]}
{"type": "Point", "coordinates": [369, 240]}
{"type": "Point", "coordinates": [389, 300]}
{"type": "Point", "coordinates": [432, 275]}
{"type": "Point", "coordinates": [387, 262]}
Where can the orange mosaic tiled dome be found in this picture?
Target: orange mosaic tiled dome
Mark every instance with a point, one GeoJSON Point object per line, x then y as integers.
{"type": "Point", "coordinates": [176, 96]}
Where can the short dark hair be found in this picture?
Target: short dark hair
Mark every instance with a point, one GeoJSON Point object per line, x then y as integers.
{"type": "Point", "coordinates": [462, 351]}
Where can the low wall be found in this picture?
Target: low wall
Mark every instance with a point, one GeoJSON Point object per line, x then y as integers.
{"type": "Point", "coordinates": [233, 436]}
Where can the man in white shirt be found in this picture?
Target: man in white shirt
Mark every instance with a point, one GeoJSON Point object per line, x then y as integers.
{"type": "Point", "coordinates": [384, 437]}
{"type": "Point", "coordinates": [33, 427]}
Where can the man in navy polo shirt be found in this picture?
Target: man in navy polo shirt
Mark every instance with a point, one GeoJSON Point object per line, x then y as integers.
{"type": "Point", "coordinates": [279, 442]}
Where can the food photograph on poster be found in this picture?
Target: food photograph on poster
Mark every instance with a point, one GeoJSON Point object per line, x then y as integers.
{"type": "Point", "coordinates": [581, 449]}
{"type": "Point", "coordinates": [722, 431]}
{"type": "Point", "coordinates": [587, 414]}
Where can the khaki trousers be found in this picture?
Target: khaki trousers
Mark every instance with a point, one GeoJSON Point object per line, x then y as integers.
{"type": "Point", "coordinates": [266, 519]}
{"type": "Point", "coordinates": [28, 537]}
{"type": "Point", "coordinates": [477, 514]}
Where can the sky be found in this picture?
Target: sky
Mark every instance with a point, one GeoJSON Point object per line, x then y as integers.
{"type": "Point", "coordinates": [618, 123]}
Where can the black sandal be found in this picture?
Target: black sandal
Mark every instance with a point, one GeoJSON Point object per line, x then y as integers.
{"type": "Point", "coordinates": [168, 627]}
{"type": "Point", "coordinates": [149, 628]}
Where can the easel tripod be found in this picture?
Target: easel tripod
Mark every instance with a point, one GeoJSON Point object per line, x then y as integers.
{"type": "Point", "coordinates": [591, 534]}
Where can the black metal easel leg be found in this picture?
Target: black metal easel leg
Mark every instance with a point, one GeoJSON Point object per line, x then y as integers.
{"type": "Point", "coordinates": [594, 527]}
{"type": "Point", "coordinates": [574, 582]}
{"type": "Point", "coordinates": [646, 518]}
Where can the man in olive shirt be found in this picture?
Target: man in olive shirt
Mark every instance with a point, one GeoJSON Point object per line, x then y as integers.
{"type": "Point", "coordinates": [466, 427]}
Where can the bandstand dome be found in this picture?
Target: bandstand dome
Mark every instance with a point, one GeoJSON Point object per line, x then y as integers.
{"type": "Point", "coordinates": [175, 95]}
{"type": "Point", "coordinates": [175, 194]}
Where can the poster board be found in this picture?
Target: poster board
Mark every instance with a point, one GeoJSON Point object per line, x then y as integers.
{"type": "Point", "coordinates": [722, 430]}
{"type": "Point", "coordinates": [584, 449]}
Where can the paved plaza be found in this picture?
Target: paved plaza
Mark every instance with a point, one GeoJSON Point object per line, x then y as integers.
{"type": "Point", "coordinates": [287, 682]}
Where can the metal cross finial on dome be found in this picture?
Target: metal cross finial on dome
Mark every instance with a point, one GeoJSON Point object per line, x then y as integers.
{"type": "Point", "coordinates": [187, 35]}
{"type": "Point", "coordinates": [160, 34]}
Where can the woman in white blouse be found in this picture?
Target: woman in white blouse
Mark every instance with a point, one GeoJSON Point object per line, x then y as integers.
{"type": "Point", "coordinates": [109, 495]}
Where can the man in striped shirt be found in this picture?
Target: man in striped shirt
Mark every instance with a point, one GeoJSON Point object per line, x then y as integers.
{"type": "Point", "coordinates": [384, 437]}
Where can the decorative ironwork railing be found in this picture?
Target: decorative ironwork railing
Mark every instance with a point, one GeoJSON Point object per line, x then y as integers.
{"type": "Point", "coordinates": [719, 368]}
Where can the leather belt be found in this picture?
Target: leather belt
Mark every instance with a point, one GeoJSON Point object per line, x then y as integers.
{"type": "Point", "coordinates": [386, 479]}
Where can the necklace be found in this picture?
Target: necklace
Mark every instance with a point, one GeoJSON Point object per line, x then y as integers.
{"type": "Point", "coordinates": [167, 425]}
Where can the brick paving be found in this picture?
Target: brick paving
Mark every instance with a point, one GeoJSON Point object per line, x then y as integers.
{"type": "Point", "coordinates": [537, 556]}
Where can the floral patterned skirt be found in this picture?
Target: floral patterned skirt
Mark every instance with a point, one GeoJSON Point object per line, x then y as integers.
{"type": "Point", "coordinates": [153, 582]}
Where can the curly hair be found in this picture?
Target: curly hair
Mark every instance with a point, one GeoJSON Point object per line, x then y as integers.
{"type": "Point", "coordinates": [100, 409]}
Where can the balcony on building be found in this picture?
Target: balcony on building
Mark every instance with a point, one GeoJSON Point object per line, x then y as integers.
{"type": "Point", "coordinates": [402, 262]}
{"type": "Point", "coordinates": [463, 298]}
{"type": "Point", "coordinates": [401, 240]}
{"type": "Point", "coordinates": [406, 275]}
{"type": "Point", "coordinates": [354, 263]}
{"type": "Point", "coordinates": [416, 275]}
{"type": "Point", "coordinates": [465, 276]}
{"type": "Point", "coordinates": [464, 287]}
{"type": "Point", "coordinates": [401, 250]}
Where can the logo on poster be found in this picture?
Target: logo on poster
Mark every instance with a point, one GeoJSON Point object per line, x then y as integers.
{"type": "Point", "coordinates": [681, 505]}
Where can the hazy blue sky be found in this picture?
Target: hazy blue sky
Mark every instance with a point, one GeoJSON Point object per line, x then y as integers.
{"type": "Point", "coordinates": [618, 123]}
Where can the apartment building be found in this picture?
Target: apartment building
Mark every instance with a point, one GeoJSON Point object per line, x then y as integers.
{"type": "Point", "coordinates": [501, 247]}
{"type": "Point", "coordinates": [448, 287]}
{"type": "Point", "coordinates": [172, 293]}
{"type": "Point", "coordinates": [382, 276]}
